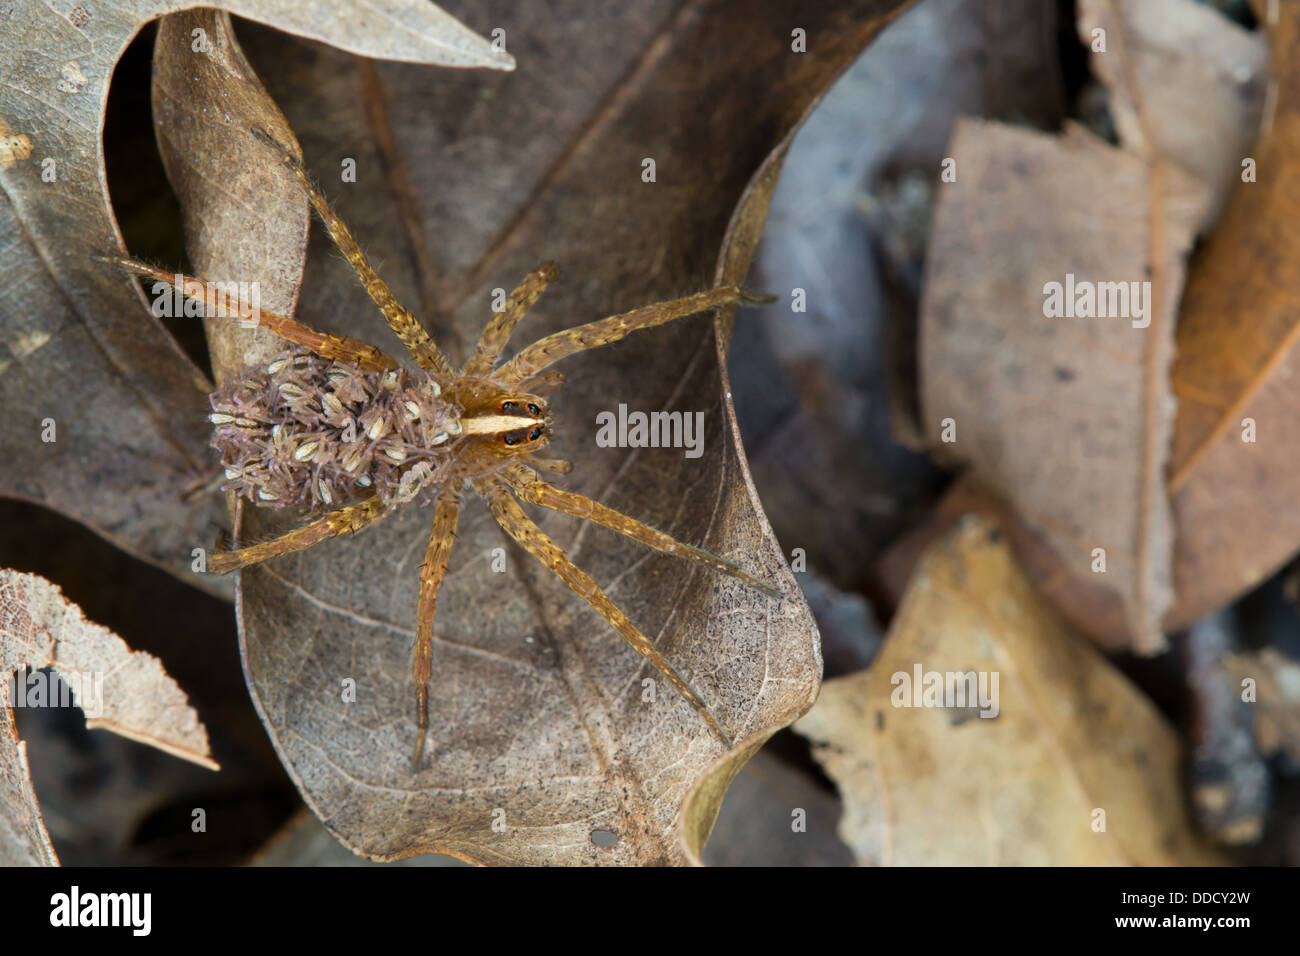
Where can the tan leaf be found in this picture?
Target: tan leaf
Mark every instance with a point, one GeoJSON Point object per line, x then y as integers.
{"type": "Point", "coordinates": [465, 183]}
{"type": "Point", "coordinates": [121, 690]}
{"type": "Point", "coordinates": [1066, 418]}
{"type": "Point", "coordinates": [1201, 80]}
{"type": "Point", "coordinates": [946, 786]}
{"type": "Point", "coordinates": [1236, 369]}
{"type": "Point", "coordinates": [1081, 600]}
{"type": "Point", "coordinates": [78, 349]}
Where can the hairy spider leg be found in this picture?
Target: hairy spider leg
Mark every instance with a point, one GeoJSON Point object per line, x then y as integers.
{"type": "Point", "coordinates": [542, 385]}
{"type": "Point", "coordinates": [556, 466]}
{"type": "Point", "coordinates": [519, 526]}
{"type": "Point", "coordinates": [547, 351]}
{"type": "Point", "coordinates": [497, 332]}
{"type": "Point", "coordinates": [340, 348]}
{"type": "Point", "coordinates": [347, 520]}
{"type": "Point", "coordinates": [529, 487]}
{"type": "Point", "coordinates": [404, 324]}
{"type": "Point", "coordinates": [441, 539]}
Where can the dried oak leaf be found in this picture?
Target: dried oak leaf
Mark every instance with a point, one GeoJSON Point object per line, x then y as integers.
{"type": "Point", "coordinates": [1231, 497]}
{"type": "Point", "coordinates": [1234, 475]}
{"type": "Point", "coordinates": [465, 182]}
{"type": "Point", "coordinates": [1067, 419]}
{"type": "Point", "coordinates": [121, 690]}
{"type": "Point", "coordinates": [946, 786]}
{"type": "Point", "coordinates": [76, 344]}
{"type": "Point", "coordinates": [1200, 80]}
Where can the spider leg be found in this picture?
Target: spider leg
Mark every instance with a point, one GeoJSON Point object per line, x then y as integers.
{"type": "Point", "coordinates": [336, 347]}
{"type": "Point", "coordinates": [542, 385]}
{"type": "Point", "coordinates": [441, 540]}
{"type": "Point", "coordinates": [404, 324]}
{"type": "Point", "coordinates": [497, 332]}
{"type": "Point", "coordinates": [546, 352]}
{"type": "Point", "coordinates": [555, 465]}
{"type": "Point", "coordinates": [344, 521]}
{"type": "Point", "coordinates": [519, 526]}
{"type": "Point", "coordinates": [529, 487]}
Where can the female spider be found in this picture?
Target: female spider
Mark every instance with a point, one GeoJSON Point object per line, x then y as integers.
{"type": "Point", "coordinates": [338, 423]}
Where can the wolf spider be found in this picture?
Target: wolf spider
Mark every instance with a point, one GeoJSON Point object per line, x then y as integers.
{"type": "Point", "coordinates": [490, 426]}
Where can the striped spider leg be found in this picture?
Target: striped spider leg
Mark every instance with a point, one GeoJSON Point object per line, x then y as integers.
{"type": "Point", "coordinates": [405, 325]}
{"type": "Point", "coordinates": [514, 479]}
{"type": "Point", "coordinates": [340, 347]}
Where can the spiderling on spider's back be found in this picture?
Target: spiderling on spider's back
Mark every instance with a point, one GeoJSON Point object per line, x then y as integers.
{"type": "Point", "coordinates": [307, 432]}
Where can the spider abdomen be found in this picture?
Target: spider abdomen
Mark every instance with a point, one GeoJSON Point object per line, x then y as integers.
{"type": "Point", "coordinates": [308, 432]}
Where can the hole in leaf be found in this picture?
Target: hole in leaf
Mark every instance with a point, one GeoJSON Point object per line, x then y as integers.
{"type": "Point", "coordinates": [143, 203]}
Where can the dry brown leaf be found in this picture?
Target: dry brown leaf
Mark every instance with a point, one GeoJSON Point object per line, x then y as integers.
{"type": "Point", "coordinates": [1082, 601]}
{"type": "Point", "coordinates": [464, 184]}
{"type": "Point", "coordinates": [121, 690]}
{"type": "Point", "coordinates": [1226, 537]}
{"type": "Point", "coordinates": [132, 694]}
{"type": "Point", "coordinates": [1201, 80]}
{"type": "Point", "coordinates": [1068, 419]}
{"type": "Point", "coordinates": [1234, 500]}
{"type": "Point", "coordinates": [76, 345]}
{"type": "Point", "coordinates": [937, 785]}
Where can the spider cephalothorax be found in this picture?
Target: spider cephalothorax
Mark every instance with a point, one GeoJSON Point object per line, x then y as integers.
{"type": "Point", "coordinates": [499, 424]}
{"type": "Point", "coordinates": [336, 423]}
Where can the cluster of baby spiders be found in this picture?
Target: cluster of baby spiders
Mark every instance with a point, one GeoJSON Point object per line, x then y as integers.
{"type": "Point", "coordinates": [305, 432]}
{"type": "Point", "coordinates": [337, 420]}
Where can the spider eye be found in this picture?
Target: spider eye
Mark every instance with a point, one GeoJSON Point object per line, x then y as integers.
{"type": "Point", "coordinates": [508, 406]}
{"type": "Point", "coordinates": [511, 438]}
{"type": "Point", "coordinates": [535, 434]}
{"type": "Point", "coordinates": [534, 410]}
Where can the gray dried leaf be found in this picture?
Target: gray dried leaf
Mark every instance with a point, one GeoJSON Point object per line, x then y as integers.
{"type": "Point", "coordinates": [121, 690]}
{"type": "Point", "coordinates": [1200, 84]}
